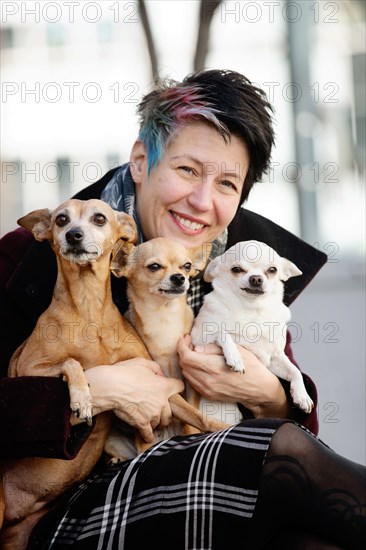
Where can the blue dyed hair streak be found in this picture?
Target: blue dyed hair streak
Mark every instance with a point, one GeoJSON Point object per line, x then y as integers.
{"type": "Point", "coordinates": [176, 105]}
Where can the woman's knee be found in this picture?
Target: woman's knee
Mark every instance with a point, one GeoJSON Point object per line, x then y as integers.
{"type": "Point", "coordinates": [290, 440]}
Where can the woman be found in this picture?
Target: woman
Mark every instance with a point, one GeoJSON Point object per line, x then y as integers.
{"type": "Point", "coordinates": [202, 145]}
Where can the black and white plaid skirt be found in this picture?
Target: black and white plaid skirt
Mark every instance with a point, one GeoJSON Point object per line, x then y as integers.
{"type": "Point", "coordinates": [197, 492]}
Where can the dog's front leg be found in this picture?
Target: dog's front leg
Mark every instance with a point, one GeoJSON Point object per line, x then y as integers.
{"type": "Point", "coordinates": [282, 367]}
{"type": "Point", "coordinates": [72, 373]}
{"type": "Point", "coordinates": [230, 350]}
{"type": "Point", "coordinates": [80, 396]}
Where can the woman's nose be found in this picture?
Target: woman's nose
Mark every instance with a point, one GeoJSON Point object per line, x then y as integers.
{"type": "Point", "coordinates": [201, 196]}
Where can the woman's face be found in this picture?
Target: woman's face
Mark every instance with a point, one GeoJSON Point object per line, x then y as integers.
{"type": "Point", "coordinates": [194, 191]}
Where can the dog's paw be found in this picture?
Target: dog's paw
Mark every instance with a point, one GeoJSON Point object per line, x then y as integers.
{"type": "Point", "coordinates": [302, 400]}
{"type": "Point", "coordinates": [234, 361]}
{"type": "Point", "coordinates": [307, 405]}
{"type": "Point", "coordinates": [81, 404]}
{"type": "Point", "coordinates": [238, 368]}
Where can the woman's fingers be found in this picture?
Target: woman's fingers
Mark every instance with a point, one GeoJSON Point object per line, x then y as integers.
{"type": "Point", "coordinates": [154, 367]}
{"type": "Point", "coordinates": [185, 346]}
{"type": "Point", "coordinates": [210, 349]}
{"type": "Point", "coordinates": [175, 386]}
{"type": "Point", "coordinates": [137, 421]}
{"type": "Point", "coordinates": [147, 433]}
{"type": "Point", "coordinates": [166, 417]}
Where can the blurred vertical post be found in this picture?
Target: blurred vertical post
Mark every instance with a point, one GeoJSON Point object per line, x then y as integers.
{"type": "Point", "coordinates": [206, 13]}
{"type": "Point", "coordinates": [299, 26]}
{"type": "Point", "coordinates": [149, 39]}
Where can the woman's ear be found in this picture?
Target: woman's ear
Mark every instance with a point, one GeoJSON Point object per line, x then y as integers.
{"type": "Point", "coordinates": [138, 160]}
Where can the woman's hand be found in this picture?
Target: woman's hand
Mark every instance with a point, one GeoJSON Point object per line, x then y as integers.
{"type": "Point", "coordinates": [136, 391]}
{"type": "Point", "coordinates": [257, 389]}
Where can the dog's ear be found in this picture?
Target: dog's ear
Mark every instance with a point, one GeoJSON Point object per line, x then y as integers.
{"type": "Point", "coordinates": [199, 256]}
{"type": "Point", "coordinates": [39, 223]}
{"type": "Point", "coordinates": [288, 270]}
{"type": "Point", "coordinates": [127, 227]}
{"type": "Point", "coordinates": [212, 269]}
{"type": "Point", "coordinates": [120, 265]}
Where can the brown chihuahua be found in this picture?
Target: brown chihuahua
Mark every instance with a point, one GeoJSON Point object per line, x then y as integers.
{"type": "Point", "coordinates": [84, 322]}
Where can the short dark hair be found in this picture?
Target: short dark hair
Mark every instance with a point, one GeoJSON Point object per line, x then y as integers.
{"type": "Point", "coordinates": [226, 99]}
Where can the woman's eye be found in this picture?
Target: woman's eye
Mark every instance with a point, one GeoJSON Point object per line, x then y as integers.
{"type": "Point", "coordinates": [187, 169]}
{"type": "Point", "coordinates": [99, 219]}
{"type": "Point", "coordinates": [187, 266]}
{"type": "Point", "coordinates": [62, 220]}
{"type": "Point", "coordinates": [229, 185]}
{"type": "Point", "coordinates": [154, 267]}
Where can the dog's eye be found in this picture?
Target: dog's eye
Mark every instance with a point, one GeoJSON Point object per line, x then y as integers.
{"type": "Point", "coordinates": [62, 220]}
{"type": "Point", "coordinates": [187, 266]}
{"type": "Point", "coordinates": [154, 267]}
{"type": "Point", "coordinates": [272, 270]}
{"type": "Point", "coordinates": [99, 219]}
{"type": "Point", "coordinates": [237, 269]}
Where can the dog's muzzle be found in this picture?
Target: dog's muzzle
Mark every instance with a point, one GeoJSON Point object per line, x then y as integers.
{"type": "Point", "coordinates": [178, 284]}
{"type": "Point", "coordinates": [74, 236]}
{"type": "Point", "coordinates": [178, 279]}
{"type": "Point", "coordinates": [76, 245]}
{"type": "Point", "coordinates": [255, 281]}
{"type": "Point", "coordinates": [255, 291]}
{"type": "Point", "coordinates": [255, 285]}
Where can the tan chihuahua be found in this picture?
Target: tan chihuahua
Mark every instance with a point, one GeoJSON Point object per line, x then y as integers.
{"type": "Point", "coordinates": [158, 274]}
{"type": "Point", "coordinates": [87, 330]}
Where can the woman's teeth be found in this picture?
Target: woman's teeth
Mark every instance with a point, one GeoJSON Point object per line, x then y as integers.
{"type": "Point", "coordinates": [194, 226]}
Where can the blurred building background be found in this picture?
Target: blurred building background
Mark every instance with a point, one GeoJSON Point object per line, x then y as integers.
{"type": "Point", "coordinates": [73, 72]}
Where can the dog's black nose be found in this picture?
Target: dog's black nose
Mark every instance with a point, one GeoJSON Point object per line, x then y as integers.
{"type": "Point", "coordinates": [74, 236]}
{"type": "Point", "coordinates": [178, 279]}
{"type": "Point", "coordinates": [256, 280]}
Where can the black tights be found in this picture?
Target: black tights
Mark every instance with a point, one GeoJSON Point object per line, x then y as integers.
{"type": "Point", "coordinates": [310, 498]}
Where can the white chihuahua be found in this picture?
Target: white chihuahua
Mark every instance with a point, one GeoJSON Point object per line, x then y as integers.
{"type": "Point", "coordinates": [246, 308]}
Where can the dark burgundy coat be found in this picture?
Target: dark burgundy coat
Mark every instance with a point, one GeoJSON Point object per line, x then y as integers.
{"type": "Point", "coordinates": [34, 411]}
